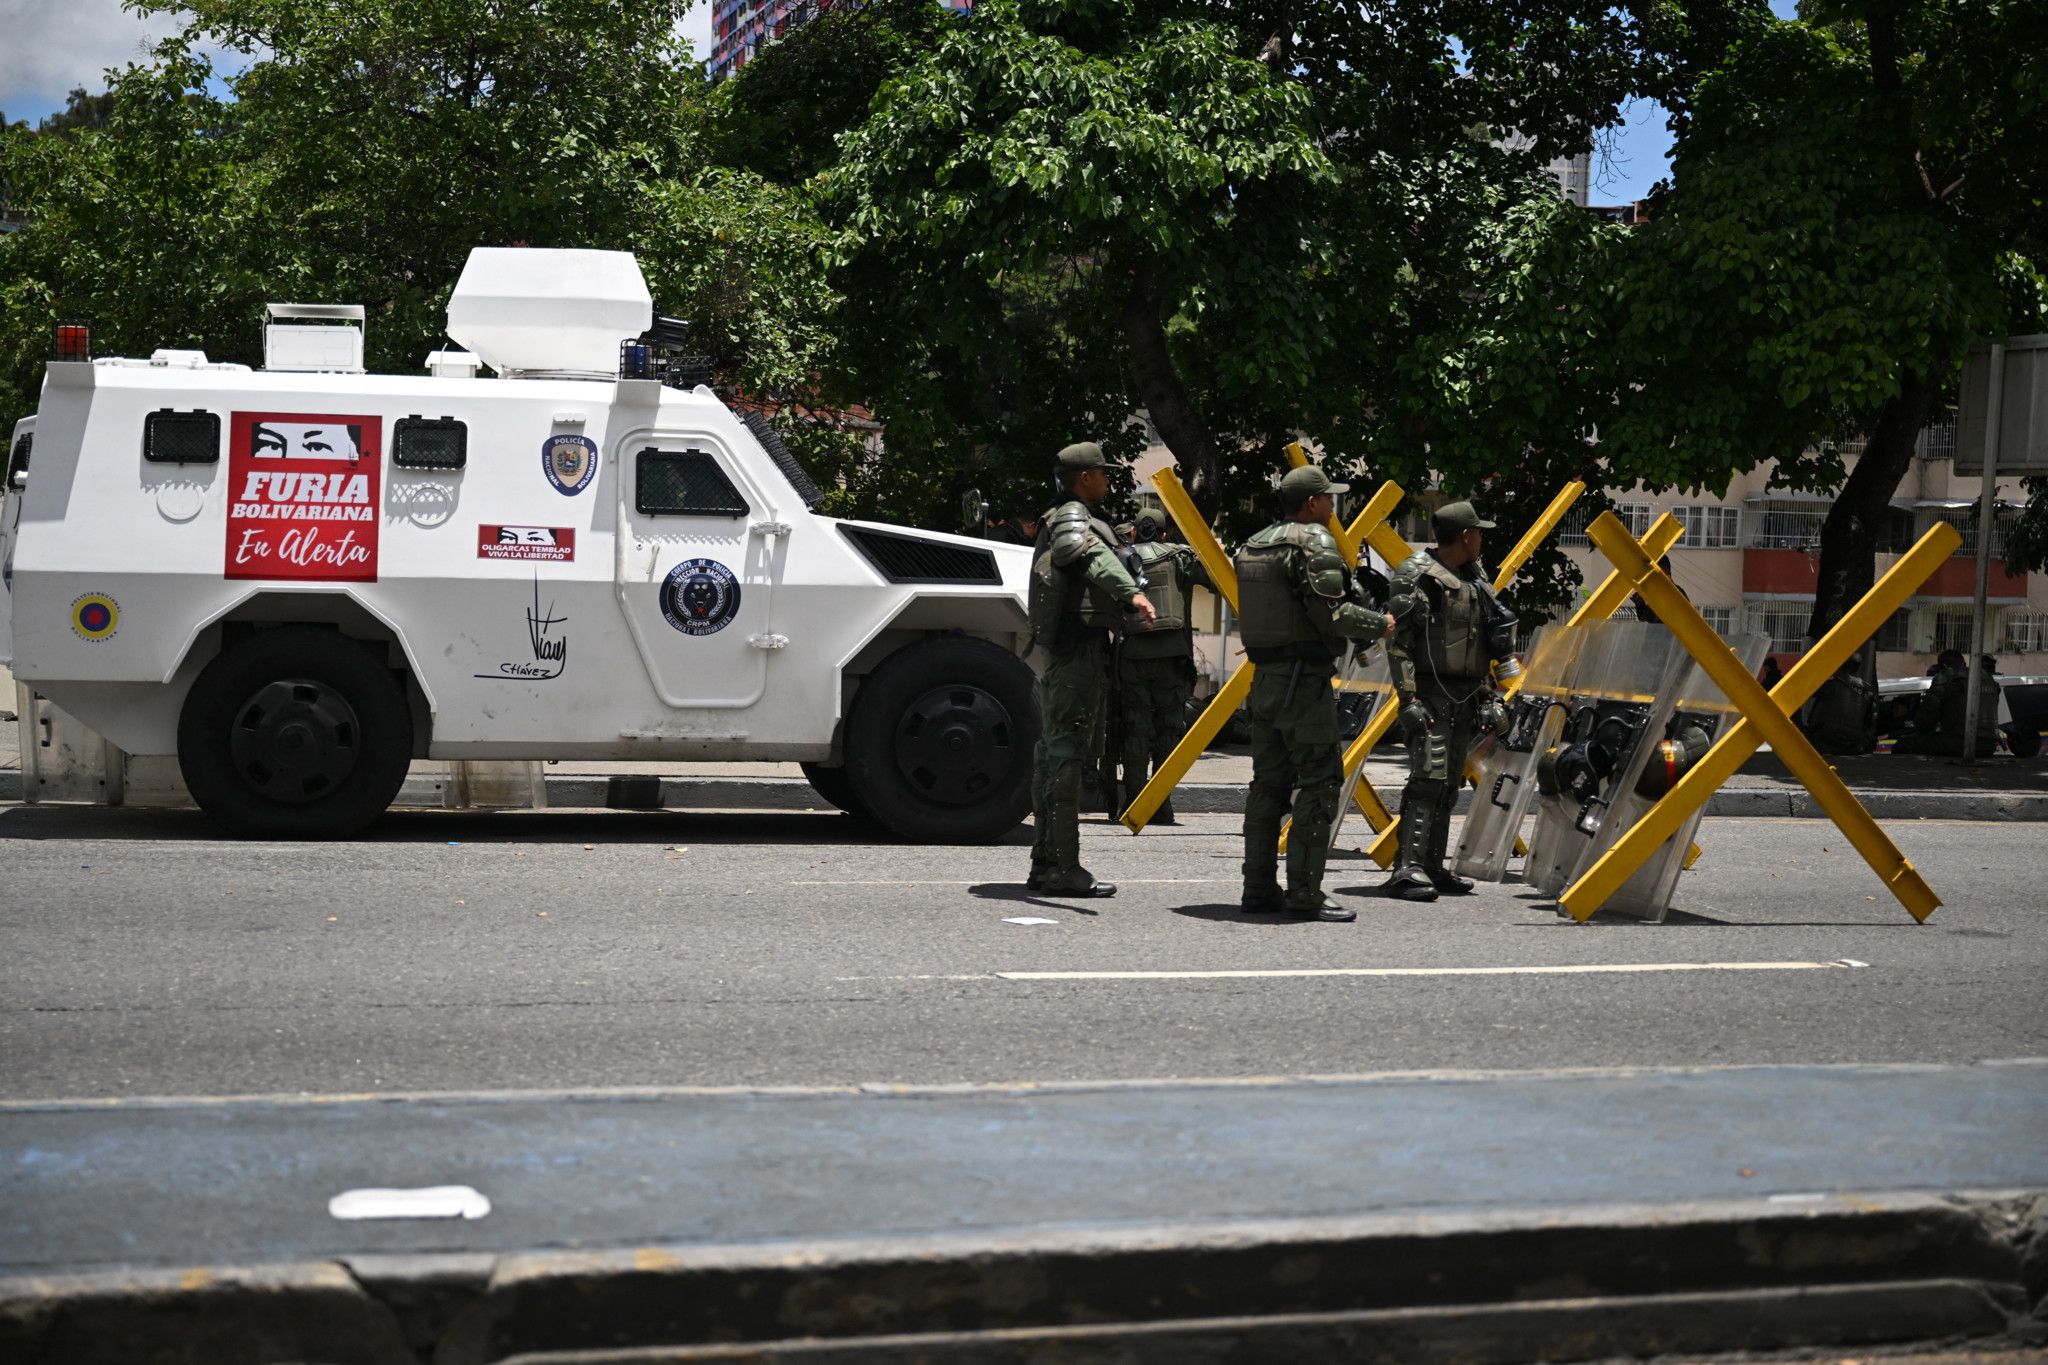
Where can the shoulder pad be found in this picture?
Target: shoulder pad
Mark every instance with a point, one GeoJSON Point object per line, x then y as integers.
{"type": "Point", "coordinates": [1070, 511]}
{"type": "Point", "coordinates": [1311, 536]}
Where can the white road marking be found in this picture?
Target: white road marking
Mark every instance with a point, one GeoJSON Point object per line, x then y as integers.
{"type": "Point", "coordinates": [1590, 969]}
{"type": "Point", "coordinates": [434, 1201]}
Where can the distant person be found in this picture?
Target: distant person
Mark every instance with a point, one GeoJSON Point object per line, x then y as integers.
{"type": "Point", "coordinates": [1644, 611]}
{"type": "Point", "coordinates": [1770, 674]}
{"type": "Point", "coordinates": [1156, 661]}
{"type": "Point", "coordinates": [1938, 722]}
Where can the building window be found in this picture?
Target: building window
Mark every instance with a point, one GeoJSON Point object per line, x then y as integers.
{"type": "Point", "coordinates": [1637, 516]}
{"type": "Point", "coordinates": [1937, 441]}
{"type": "Point", "coordinates": [1784, 622]}
{"type": "Point", "coordinates": [1722, 619]}
{"type": "Point", "coordinates": [1709, 528]}
{"type": "Point", "coordinates": [1782, 526]}
{"type": "Point", "coordinates": [1896, 635]}
{"type": "Point", "coordinates": [1965, 523]}
{"type": "Point", "coordinates": [2024, 632]}
{"type": "Point", "coordinates": [1954, 628]}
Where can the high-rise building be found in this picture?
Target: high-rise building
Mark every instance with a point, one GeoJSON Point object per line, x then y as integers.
{"type": "Point", "coordinates": [741, 28]}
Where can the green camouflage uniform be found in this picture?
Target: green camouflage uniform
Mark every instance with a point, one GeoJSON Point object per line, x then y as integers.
{"type": "Point", "coordinates": [1077, 589]}
{"type": "Point", "coordinates": [1944, 710]}
{"type": "Point", "coordinates": [1440, 673]}
{"type": "Point", "coordinates": [1297, 607]}
{"type": "Point", "coordinates": [1156, 663]}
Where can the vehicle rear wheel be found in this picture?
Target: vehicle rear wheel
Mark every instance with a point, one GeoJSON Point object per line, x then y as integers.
{"type": "Point", "coordinates": [295, 733]}
{"type": "Point", "coordinates": [2023, 740]}
{"type": "Point", "coordinates": [835, 786]}
{"type": "Point", "coordinates": [938, 745]}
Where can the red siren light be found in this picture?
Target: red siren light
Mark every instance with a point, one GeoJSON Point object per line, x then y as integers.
{"type": "Point", "coordinates": [74, 341]}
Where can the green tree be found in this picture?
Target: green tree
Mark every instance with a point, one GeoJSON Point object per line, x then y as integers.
{"type": "Point", "coordinates": [1857, 197]}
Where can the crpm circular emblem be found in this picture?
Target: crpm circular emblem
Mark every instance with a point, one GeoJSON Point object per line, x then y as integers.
{"type": "Point", "coordinates": [700, 597]}
{"type": "Point", "coordinates": [570, 462]}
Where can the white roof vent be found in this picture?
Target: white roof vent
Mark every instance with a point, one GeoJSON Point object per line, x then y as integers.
{"type": "Point", "coordinates": [528, 311]}
{"type": "Point", "coordinates": [320, 338]}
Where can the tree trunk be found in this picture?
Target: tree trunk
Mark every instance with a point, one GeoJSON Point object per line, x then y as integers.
{"type": "Point", "coordinates": [1843, 717]}
{"type": "Point", "coordinates": [1173, 410]}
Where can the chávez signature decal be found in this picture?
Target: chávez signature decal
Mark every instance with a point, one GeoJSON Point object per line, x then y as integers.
{"type": "Point", "coordinates": [550, 651]}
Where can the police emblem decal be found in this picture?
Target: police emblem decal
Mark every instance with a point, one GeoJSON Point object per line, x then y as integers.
{"type": "Point", "coordinates": [95, 616]}
{"type": "Point", "coordinates": [700, 597]}
{"type": "Point", "coordinates": [570, 462]}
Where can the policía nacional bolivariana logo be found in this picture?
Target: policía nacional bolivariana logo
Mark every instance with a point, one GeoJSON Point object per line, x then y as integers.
{"type": "Point", "coordinates": [570, 462]}
{"type": "Point", "coordinates": [95, 616]}
{"type": "Point", "coordinates": [700, 597]}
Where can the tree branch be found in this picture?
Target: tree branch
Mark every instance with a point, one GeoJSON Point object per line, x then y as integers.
{"type": "Point", "coordinates": [1173, 410]}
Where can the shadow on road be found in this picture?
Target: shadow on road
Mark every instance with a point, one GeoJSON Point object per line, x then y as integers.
{"type": "Point", "coordinates": [1232, 914]}
{"type": "Point", "coordinates": [1019, 894]}
{"type": "Point", "coordinates": [122, 824]}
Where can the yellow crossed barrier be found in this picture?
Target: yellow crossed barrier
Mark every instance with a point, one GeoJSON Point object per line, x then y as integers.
{"type": "Point", "coordinates": [1368, 525]}
{"type": "Point", "coordinates": [1766, 717]}
{"type": "Point", "coordinates": [1387, 844]}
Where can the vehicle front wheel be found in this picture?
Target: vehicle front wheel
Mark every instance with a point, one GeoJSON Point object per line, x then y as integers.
{"type": "Point", "coordinates": [938, 744]}
{"type": "Point", "coordinates": [295, 733]}
{"type": "Point", "coordinates": [835, 786]}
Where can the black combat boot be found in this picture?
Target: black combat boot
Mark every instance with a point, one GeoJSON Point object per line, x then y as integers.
{"type": "Point", "coordinates": [1076, 883]}
{"type": "Point", "coordinates": [1320, 906]}
{"type": "Point", "coordinates": [1409, 881]}
{"type": "Point", "coordinates": [1262, 900]}
{"type": "Point", "coordinates": [1440, 876]}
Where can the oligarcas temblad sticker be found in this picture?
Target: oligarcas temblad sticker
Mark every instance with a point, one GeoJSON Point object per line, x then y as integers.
{"type": "Point", "coordinates": [570, 461]}
{"type": "Point", "coordinates": [303, 496]}
{"type": "Point", "coordinates": [526, 542]}
{"type": "Point", "coordinates": [95, 616]}
{"type": "Point", "coordinates": [700, 597]}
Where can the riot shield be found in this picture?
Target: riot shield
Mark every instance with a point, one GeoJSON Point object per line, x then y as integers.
{"type": "Point", "coordinates": [1621, 696]}
{"type": "Point", "coordinates": [1505, 763]}
{"type": "Point", "coordinates": [1365, 686]}
{"type": "Point", "coordinates": [1701, 713]}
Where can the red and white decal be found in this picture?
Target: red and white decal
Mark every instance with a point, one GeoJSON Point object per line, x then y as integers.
{"type": "Point", "coordinates": [303, 496]}
{"type": "Point", "coordinates": [526, 542]}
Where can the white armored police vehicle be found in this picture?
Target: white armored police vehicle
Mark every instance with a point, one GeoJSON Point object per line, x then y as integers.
{"type": "Point", "coordinates": [299, 579]}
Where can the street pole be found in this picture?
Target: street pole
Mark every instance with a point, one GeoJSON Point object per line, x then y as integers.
{"type": "Point", "coordinates": [1987, 520]}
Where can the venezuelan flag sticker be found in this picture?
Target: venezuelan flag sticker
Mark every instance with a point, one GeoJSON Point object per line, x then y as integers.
{"type": "Point", "coordinates": [95, 616]}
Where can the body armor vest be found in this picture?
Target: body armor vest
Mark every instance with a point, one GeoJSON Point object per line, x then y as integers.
{"type": "Point", "coordinates": [1060, 603]}
{"type": "Point", "coordinates": [1167, 588]}
{"type": "Point", "coordinates": [1453, 642]}
{"type": "Point", "coordinates": [1271, 618]}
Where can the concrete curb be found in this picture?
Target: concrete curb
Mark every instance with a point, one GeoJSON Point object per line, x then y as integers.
{"type": "Point", "coordinates": [1466, 1286]}
{"type": "Point", "coordinates": [587, 792]}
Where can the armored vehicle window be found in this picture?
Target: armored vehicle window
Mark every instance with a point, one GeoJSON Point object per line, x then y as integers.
{"type": "Point", "coordinates": [679, 483]}
{"type": "Point", "coordinates": [181, 437]}
{"type": "Point", "coordinates": [913, 559]}
{"type": "Point", "coordinates": [17, 459]}
{"type": "Point", "coordinates": [429, 443]}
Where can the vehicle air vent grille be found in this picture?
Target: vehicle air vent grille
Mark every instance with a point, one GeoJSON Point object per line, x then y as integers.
{"type": "Point", "coordinates": [17, 459]}
{"type": "Point", "coordinates": [181, 437]}
{"type": "Point", "coordinates": [684, 483]}
{"type": "Point", "coordinates": [429, 443]}
{"type": "Point", "coordinates": [913, 559]}
{"type": "Point", "coordinates": [772, 442]}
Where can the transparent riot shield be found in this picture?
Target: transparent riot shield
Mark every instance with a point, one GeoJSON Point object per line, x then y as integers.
{"type": "Point", "coordinates": [1365, 687]}
{"type": "Point", "coordinates": [1505, 763]}
{"type": "Point", "coordinates": [1699, 716]}
{"type": "Point", "coordinates": [1621, 697]}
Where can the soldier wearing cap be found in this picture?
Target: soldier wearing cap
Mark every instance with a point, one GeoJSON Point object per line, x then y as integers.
{"type": "Point", "coordinates": [1156, 661]}
{"type": "Point", "coordinates": [1081, 594]}
{"type": "Point", "coordinates": [1441, 675]}
{"type": "Point", "coordinates": [1298, 606]}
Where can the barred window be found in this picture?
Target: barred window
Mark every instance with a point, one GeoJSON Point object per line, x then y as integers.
{"type": "Point", "coordinates": [1722, 619]}
{"type": "Point", "coordinates": [1709, 528]}
{"type": "Point", "coordinates": [2024, 632]}
{"type": "Point", "coordinates": [1955, 628]}
{"type": "Point", "coordinates": [1895, 636]}
{"type": "Point", "coordinates": [1784, 622]}
{"type": "Point", "coordinates": [1966, 522]}
{"type": "Point", "coordinates": [1637, 516]}
{"type": "Point", "coordinates": [1782, 526]}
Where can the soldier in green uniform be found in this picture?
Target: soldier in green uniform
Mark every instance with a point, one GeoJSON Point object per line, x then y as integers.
{"type": "Point", "coordinates": [1298, 605]}
{"type": "Point", "coordinates": [1081, 594]}
{"type": "Point", "coordinates": [1939, 720]}
{"type": "Point", "coordinates": [1441, 675]}
{"type": "Point", "coordinates": [1156, 662]}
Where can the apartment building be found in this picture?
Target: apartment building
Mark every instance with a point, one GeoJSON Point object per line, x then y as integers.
{"type": "Point", "coordinates": [741, 28]}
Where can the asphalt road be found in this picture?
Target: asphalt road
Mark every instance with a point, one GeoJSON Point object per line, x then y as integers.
{"type": "Point", "coordinates": [141, 956]}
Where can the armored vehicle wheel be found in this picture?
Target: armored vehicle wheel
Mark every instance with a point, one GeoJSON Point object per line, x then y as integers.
{"type": "Point", "coordinates": [938, 745]}
{"type": "Point", "coordinates": [295, 733]}
{"type": "Point", "coordinates": [835, 786]}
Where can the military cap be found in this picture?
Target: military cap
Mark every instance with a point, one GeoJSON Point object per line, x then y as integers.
{"type": "Point", "coordinates": [1153, 518]}
{"type": "Point", "coordinates": [1081, 455]}
{"type": "Point", "coordinates": [1307, 481]}
{"type": "Point", "coordinates": [1460, 516]}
